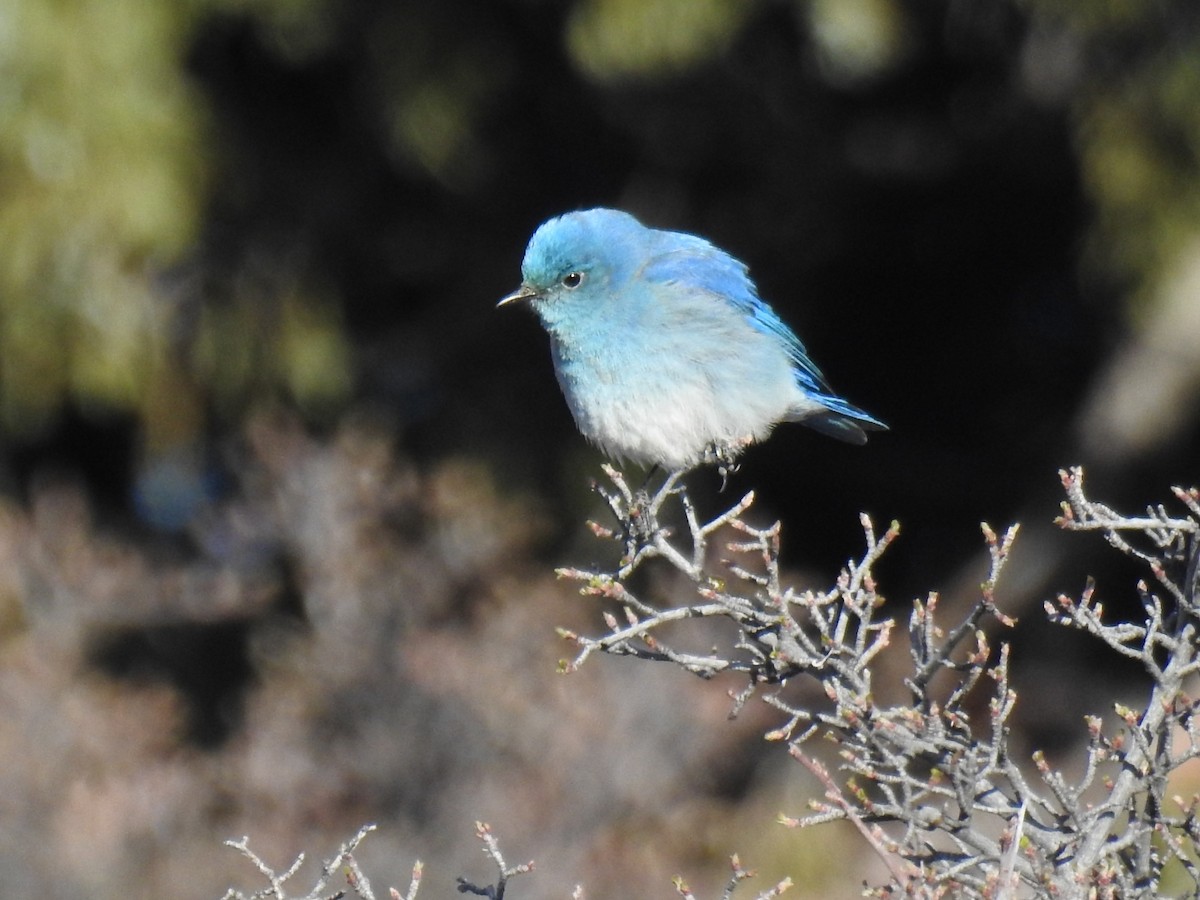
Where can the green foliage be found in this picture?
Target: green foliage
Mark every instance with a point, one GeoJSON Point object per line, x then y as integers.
{"type": "Point", "coordinates": [1137, 127]}
{"type": "Point", "coordinates": [106, 162]}
{"type": "Point", "coordinates": [435, 82]}
{"type": "Point", "coordinates": [102, 168]}
{"type": "Point", "coordinates": [858, 39]}
{"type": "Point", "coordinates": [613, 38]}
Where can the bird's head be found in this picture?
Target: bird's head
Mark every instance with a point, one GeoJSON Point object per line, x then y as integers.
{"type": "Point", "coordinates": [574, 262]}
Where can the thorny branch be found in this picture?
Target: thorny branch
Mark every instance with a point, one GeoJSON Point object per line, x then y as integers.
{"type": "Point", "coordinates": [931, 784]}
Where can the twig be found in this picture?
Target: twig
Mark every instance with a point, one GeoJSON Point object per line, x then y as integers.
{"type": "Point", "coordinates": [491, 847]}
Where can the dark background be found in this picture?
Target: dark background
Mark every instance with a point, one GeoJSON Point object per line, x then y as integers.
{"type": "Point", "coordinates": [252, 376]}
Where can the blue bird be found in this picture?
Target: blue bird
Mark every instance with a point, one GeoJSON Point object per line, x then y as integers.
{"type": "Point", "coordinates": [665, 352]}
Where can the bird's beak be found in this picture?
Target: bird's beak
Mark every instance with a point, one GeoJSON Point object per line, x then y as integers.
{"type": "Point", "coordinates": [524, 292]}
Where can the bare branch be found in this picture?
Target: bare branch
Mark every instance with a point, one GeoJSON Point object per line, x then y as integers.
{"type": "Point", "coordinates": [931, 785]}
{"type": "Point", "coordinates": [355, 878]}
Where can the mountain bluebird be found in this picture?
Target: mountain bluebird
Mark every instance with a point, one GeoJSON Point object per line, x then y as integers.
{"type": "Point", "coordinates": [662, 347]}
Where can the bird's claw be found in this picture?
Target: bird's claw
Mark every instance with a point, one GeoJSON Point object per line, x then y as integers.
{"type": "Point", "coordinates": [643, 520]}
{"type": "Point", "coordinates": [725, 457]}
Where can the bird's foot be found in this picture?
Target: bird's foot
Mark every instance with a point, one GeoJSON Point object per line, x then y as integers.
{"type": "Point", "coordinates": [637, 513]}
{"type": "Point", "coordinates": [643, 527]}
{"type": "Point", "coordinates": [725, 457]}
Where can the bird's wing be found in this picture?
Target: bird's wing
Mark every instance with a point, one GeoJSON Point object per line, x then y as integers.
{"type": "Point", "coordinates": [692, 261]}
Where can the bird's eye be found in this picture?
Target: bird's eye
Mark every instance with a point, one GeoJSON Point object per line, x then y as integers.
{"type": "Point", "coordinates": [572, 280]}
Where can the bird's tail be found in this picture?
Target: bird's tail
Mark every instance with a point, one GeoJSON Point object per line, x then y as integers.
{"type": "Point", "coordinates": [843, 421]}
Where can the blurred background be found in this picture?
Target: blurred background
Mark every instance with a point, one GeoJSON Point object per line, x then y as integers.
{"type": "Point", "coordinates": [281, 492]}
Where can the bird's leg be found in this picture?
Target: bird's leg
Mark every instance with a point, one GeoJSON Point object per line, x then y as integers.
{"type": "Point", "coordinates": [644, 507]}
{"type": "Point", "coordinates": [725, 470]}
{"type": "Point", "coordinates": [725, 456]}
{"type": "Point", "coordinates": [642, 518]}
{"type": "Point", "coordinates": [637, 513]}
{"type": "Point", "coordinates": [654, 470]}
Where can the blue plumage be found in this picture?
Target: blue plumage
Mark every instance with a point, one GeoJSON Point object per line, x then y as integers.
{"type": "Point", "coordinates": [663, 349]}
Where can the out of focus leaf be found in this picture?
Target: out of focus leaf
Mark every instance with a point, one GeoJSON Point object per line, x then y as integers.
{"type": "Point", "coordinates": [612, 38]}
